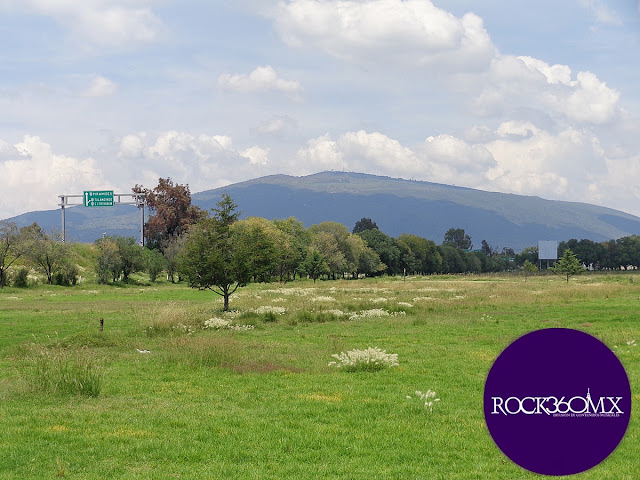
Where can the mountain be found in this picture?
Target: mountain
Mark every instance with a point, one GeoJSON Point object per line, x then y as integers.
{"type": "Point", "coordinates": [396, 205]}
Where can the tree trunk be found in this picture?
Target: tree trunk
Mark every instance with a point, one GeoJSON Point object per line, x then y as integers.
{"type": "Point", "coordinates": [226, 301]}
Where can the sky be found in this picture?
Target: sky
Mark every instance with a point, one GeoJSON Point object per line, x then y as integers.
{"type": "Point", "coordinates": [533, 98]}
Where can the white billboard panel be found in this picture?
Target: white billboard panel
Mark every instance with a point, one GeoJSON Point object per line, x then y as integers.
{"type": "Point", "coordinates": [547, 249]}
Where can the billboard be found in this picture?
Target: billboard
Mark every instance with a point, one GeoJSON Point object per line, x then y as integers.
{"type": "Point", "coordinates": [547, 250]}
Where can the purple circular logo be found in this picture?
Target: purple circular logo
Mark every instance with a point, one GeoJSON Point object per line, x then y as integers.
{"type": "Point", "coordinates": [557, 401]}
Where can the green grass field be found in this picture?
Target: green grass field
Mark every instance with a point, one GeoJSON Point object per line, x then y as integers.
{"type": "Point", "coordinates": [262, 402]}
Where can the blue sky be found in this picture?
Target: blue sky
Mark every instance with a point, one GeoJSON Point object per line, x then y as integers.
{"type": "Point", "coordinates": [534, 98]}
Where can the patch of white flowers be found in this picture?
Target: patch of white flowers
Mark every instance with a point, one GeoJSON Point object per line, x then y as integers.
{"type": "Point", "coordinates": [323, 299]}
{"type": "Point", "coordinates": [373, 313]}
{"type": "Point", "coordinates": [222, 324]}
{"type": "Point", "coordinates": [405, 304]}
{"type": "Point", "coordinates": [422, 299]}
{"type": "Point", "coordinates": [371, 359]}
{"type": "Point", "coordinates": [428, 397]}
{"type": "Point", "coordinates": [270, 309]}
{"type": "Point", "coordinates": [182, 328]}
{"type": "Point", "coordinates": [379, 300]}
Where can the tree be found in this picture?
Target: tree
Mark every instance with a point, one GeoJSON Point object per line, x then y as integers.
{"type": "Point", "coordinates": [172, 250]}
{"type": "Point", "coordinates": [528, 269]}
{"type": "Point", "coordinates": [154, 263]}
{"type": "Point", "coordinates": [386, 247]}
{"type": "Point", "coordinates": [14, 243]}
{"type": "Point", "coordinates": [568, 265]}
{"type": "Point", "coordinates": [131, 256]}
{"type": "Point", "coordinates": [108, 263]}
{"type": "Point", "coordinates": [47, 254]}
{"type": "Point", "coordinates": [266, 245]}
{"type": "Point", "coordinates": [213, 258]}
{"type": "Point", "coordinates": [364, 224]}
{"type": "Point", "coordinates": [296, 242]}
{"type": "Point", "coordinates": [425, 251]}
{"type": "Point", "coordinates": [486, 248]}
{"type": "Point", "coordinates": [314, 265]}
{"type": "Point", "coordinates": [457, 238]}
{"type": "Point", "coordinates": [172, 212]}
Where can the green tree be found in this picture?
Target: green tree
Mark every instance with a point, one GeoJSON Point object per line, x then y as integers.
{"type": "Point", "coordinates": [108, 262]}
{"type": "Point", "coordinates": [364, 224]}
{"type": "Point", "coordinates": [296, 243]}
{"type": "Point", "coordinates": [528, 269]}
{"type": "Point", "coordinates": [457, 238]}
{"type": "Point", "coordinates": [266, 243]}
{"type": "Point", "coordinates": [48, 255]}
{"type": "Point", "coordinates": [568, 265]}
{"type": "Point", "coordinates": [326, 245]}
{"type": "Point", "coordinates": [314, 265]}
{"type": "Point", "coordinates": [154, 263]}
{"type": "Point", "coordinates": [425, 251]}
{"type": "Point", "coordinates": [386, 247]}
{"type": "Point", "coordinates": [14, 243]}
{"type": "Point", "coordinates": [214, 258]}
{"type": "Point", "coordinates": [131, 256]}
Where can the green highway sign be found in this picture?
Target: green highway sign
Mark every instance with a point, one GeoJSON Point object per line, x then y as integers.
{"type": "Point", "coordinates": [98, 198]}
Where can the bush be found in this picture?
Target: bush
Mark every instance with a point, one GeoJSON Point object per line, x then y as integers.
{"type": "Point", "coordinates": [269, 317]}
{"type": "Point", "coordinates": [67, 276]}
{"type": "Point", "coordinates": [20, 278]}
{"type": "Point", "coordinates": [369, 360]}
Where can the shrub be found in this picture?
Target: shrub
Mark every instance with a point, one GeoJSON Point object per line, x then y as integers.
{"type": "Point", "coordinates": [67, 276]}
{"type": "Point", "coordinates": [269, 317]}
{"type": "Point", "coordinates": [20, 278]}
{"type": "Point", "coordinates": [369, 360]}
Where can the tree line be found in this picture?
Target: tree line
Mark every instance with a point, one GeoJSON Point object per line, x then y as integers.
{"type": "Point", "coordinates": [220, 251]}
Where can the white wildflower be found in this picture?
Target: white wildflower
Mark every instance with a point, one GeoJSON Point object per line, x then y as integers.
{"type": "Point", "coordinates": [373, 313]}
{"type": "Point", "coordinates": [379, 300]}
{"type": "Point", "coordinates": [143, 351]}
{"type": "Point", "coordinates": [221, 324]}
{"type": "Point", "coordinates": [217, 323]}
{"type": "Point", "coordinates": [428, 397]}
{"type": "Point", "coordinates": [371, 359]}
{"type": "Point", "coordinates": [323, 299]}
{"type": "Point", "coordinates": [270, 309]}
{"type": "Point", "coordinates": [405, 304]}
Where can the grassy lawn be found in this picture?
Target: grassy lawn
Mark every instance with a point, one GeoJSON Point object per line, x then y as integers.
{"type": "Point", "coordinates": [262, 402]}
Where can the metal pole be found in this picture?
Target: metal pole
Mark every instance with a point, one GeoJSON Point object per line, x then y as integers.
{"type": "Point", "coordinates": [64, 224]}
{"type": "Point", "coordinates": [142, 224]}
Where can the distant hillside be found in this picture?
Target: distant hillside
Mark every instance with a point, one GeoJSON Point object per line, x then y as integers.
{"type": "Point", "coordinates": [396, 205]}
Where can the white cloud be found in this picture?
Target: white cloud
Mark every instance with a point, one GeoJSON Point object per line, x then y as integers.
{"type": "Point", "coordinates": [601, 12]}
{"type": "Point", "coordinates": [276, 126]}
{"type": "Point", "coordinates": [319, 154]}
{"type": "Point", "coordinates": [33, 176]}
{"type": "Point", "coordinates": [514, 82]}
{"type": "Point", "coordinates": [203, 161]}
{"type": "Point", "coordinates": [382, 31]}
{"type": "Point", "coordinates": [116, 24]}
{"type": "Point", "coordinates": [532, 161]}
{"type": "Point", "coordinates": [440, 159]}
{"type": "Point", "coordinates": [256, 155]}
{"type": "Point", "coordinates": [262, 79]}
{"type": "Point", "coordinates": [100, 87]}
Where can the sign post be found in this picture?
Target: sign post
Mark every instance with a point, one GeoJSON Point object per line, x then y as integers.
{"type": "Point", "coordinates": [104, 198]}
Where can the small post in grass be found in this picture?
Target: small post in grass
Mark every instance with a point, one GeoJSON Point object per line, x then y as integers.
{"type": "Point", "coordinates": [102, 324]}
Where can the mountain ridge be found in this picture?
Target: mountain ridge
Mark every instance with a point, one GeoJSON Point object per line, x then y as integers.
{"type": "Point", "coordinates": [397, 205]}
